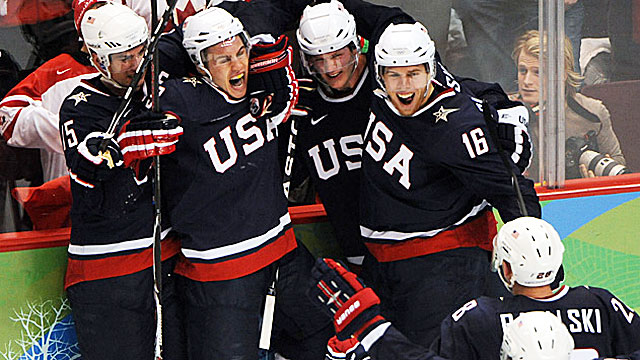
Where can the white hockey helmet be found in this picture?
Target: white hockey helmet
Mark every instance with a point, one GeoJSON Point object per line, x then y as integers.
{"type": "Point", "coordinates": [207, 28]}
{"type": "Point", "coordinates": [404, 45]}
{"type": "Point", "coordinates": [532, 247]}
{"type": "Point", "coordinates": [536, 335]}
{"type": "Point", "coordinates": [111, 29]}
{"type": "Point", "coordinates": [324, 28]}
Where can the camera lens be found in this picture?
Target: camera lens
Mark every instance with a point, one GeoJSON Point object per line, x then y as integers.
{"type": "Point", "coordinates": [601, 165]}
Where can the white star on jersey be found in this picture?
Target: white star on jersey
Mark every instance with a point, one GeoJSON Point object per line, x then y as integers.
{"type": "Point", "coordinates": [442, 114]}
{"type": "Point", "coordinates": [193, 81]}
{"type": "Point", "coordinates": [79, 97]}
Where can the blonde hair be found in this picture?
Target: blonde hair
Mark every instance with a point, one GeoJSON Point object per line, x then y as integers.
{"type": "Point", "coordinates": [529, 43]}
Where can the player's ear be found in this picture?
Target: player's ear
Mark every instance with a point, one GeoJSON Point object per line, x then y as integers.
{"type": "Point", "coordinates": [506, 270]}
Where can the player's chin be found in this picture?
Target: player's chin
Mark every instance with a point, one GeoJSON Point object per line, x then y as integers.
{"type": "Point", "coordinates": [335, 80]}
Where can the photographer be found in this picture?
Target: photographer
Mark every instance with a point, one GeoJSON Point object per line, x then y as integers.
{"type": "Point", "coordinates": [587, 120]}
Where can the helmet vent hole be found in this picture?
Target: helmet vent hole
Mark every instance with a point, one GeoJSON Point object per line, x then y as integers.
{"type": "Point", "coordinates": [538, 251]}
{"type": "Point", "coordinates": [339, 32]}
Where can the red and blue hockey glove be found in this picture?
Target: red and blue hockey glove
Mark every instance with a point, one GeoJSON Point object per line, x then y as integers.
{"type": "Point", "coordinates": [354, 307]}
{"type": "Point", "coordinates": [149, 134]}
{"type": "Point", "coordinates": [273, 88]}
{"type": "Point", "coordinates": [349, 349]}
{"type": "Point", "coordinates": [94, 164]}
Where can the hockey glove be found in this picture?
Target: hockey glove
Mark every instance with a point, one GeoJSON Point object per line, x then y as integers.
{"type": "Point", "coordinates": [349, 349]}
{"type": "Point", "coordinates": [95, 164]}
{"type": "Point", "coordinates": [354, 307]}
{"type": "Point", "coordinates": [149, 134]}
{"type": "Point", "coordinates": [273, 88]}
{"type": "Point", "coordinates": [306, 90]}
{"type": "Point", "coordinates": [513, 118]}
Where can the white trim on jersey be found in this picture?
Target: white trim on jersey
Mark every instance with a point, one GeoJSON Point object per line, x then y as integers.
{"type": "Point", "coordinates": [363, 78]}
{"type": "Point", "coordinates": [374, 335]}
{"type": "Point", "coordinates": [240, 246]}
{"type": "Point", "coordinates": [400, 236]}
{"type": "Point", "coordinates": [114, 248]}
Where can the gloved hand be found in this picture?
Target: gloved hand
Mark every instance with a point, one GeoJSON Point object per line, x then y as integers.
{"type": "Point", "coordinates": [273, 88]}
{"type": "Point", "coordinates": [306, 89]}
{"type": "Point", "coordinates": [513, 118]}
{"type": "Point", "coordinates": [349, 349]}
{"type": "Point", "coordinates": [95, 164]}
{"type": "Point", "coordinates": [354, 307]}
{"type": "Point", "coordinates": [149, 134]}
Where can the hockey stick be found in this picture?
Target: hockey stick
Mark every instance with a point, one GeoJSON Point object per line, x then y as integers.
{"type": "Point", "coordinates": [148, 55]}
{"type": "Point", "coordinates": [270, 299]}
{"type": "Point", "coordinates": [488, 118]}
{"type": "Point", "coordinates": [157, 207]}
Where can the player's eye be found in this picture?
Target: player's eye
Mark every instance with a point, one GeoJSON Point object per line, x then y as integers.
{"type": "Point", "coordinates": [242, 53]}
{"type": "Point", "coordinates": [222, 60]}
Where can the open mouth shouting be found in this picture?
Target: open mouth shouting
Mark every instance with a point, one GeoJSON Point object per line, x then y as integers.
{"type": "Point", "coordinates": [406, 98]}
{"type": "Point", "coordinates": [237, 81]}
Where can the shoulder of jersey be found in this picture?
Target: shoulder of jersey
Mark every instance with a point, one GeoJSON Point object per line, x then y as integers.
{"type": "Point", "coordinates": [85, 94]}
{"type": "Point", "coordinates": [184, 83]}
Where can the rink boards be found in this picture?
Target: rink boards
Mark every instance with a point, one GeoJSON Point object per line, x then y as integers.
{"type": "Point", "coordinates": [600, 227]}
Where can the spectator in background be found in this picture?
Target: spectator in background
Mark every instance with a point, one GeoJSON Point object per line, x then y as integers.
{"type": "Point", "coordinates": [587, 120]}
{"type": "Point", "coordinates": [491, 27]}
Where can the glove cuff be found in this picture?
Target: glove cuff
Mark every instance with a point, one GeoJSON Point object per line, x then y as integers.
{"type": "Point", "coordinates": [359, 313]}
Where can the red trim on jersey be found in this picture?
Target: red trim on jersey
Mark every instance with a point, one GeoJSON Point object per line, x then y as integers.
{"type": "Point", "coordinates": [242, 266]}
{"type": "Point", "coordinates": [16, 103]}
{"type": "Point", "coordinates": [87, 270]}
{"type": "Point", "coordinates": [477, 233]}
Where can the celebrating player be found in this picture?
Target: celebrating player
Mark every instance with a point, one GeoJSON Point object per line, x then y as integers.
{"type": "Point", "coordinates": [329, 141]}
{"type": "Point", "coordinates": [223, 186]}
{"type": "Point", "coordinates": [527, 254]}
{"type": "Point", "coordinates": [109, 279]}
{"type": "Point", "coordinates": [430, 170]}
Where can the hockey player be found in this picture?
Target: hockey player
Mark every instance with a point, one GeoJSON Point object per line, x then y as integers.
{"type": "Point", "coordinates": [222, 185]}
{"type": "Point", "coordinates": [527, 255]}
{"type": "Point", "coordinates": [362, 333]}
{"type": "Point", "coordinates": [430, 171]}
{"type": "Point", "coordinates": [329, 141]}
{"type": "Point", "coordinates": [109, 278]}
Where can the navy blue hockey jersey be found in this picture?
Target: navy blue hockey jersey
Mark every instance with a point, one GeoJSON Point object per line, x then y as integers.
{"type": "Point", "coordinates": [428, 179]}
{"type": "Point", "coordinates": [329, 150]}
{"type": "Point", "coordinates": [222, 186]}
{"type": "Point", "coordinates": [112, 218]}
{"type": "Point", "coordinates": [601, 325]}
